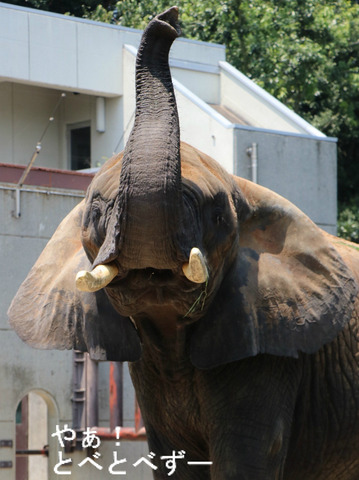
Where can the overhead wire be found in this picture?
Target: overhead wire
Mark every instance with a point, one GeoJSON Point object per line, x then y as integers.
{"type": "Point", "coordinates": [39, 143]}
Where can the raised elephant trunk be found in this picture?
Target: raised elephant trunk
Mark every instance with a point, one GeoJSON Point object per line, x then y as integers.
{"type": "Point", "coordinates": [147, 230]}
{"type": "Point", "coordinates": [150, 182]}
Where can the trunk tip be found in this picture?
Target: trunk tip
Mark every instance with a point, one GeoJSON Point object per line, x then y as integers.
{"type": "Point", "coordinates": [170, 19]}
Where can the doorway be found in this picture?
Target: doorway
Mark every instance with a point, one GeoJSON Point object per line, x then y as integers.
{"type": "Point", "coordinates": [31, 438]}
{"type": "Point", "coordinates": [79, 145]}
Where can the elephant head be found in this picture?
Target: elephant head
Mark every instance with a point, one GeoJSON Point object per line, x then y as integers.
{"type": "Point", "coordinates": [166, 233]}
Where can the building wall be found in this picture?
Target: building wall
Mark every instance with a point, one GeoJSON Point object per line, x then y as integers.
{"type": "Point", "coordinates": [202, 130]}
{"type": "Point", "coordinates": [47, 373]}
{"type": "Point", "coordinates": [21, 242]}
{"type": "Point", "coordinates": [77, 54]}
{"type": "Point", "coordinates": [256, 106]}
{"type": "Point", "coordinates": [71, 56]}
{"type": "Point", "coordinates": [25, 113]}
{"type": "Point", "coordinates": [204, 84]}
{"type": "Point", "coordinates": [300, 168]}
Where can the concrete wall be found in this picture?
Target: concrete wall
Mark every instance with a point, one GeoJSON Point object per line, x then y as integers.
{"type": "Point", "coordinates": [71, 57]}
{"type": "Point", "coordinates": [21, 241]}
{"type": "Point", "coordinates": [25, 112]}
{"type": "Point", "coordinates": [256, 106]}
{"type": "Point", "coordinates": [300, 168]}
{"type": "Point", "coordinates": [200, 126]}
{"type": "Point", "coordinates": [47, 373]}
{"type": "Point", "coordinates": [75, 54]}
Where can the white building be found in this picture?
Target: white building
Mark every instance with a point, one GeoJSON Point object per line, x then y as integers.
{"type": "Point", "coordinates": [80, 74]}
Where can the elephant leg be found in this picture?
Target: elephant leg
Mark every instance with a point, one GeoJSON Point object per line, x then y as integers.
{"type": "Point", "coordinates": [175, 459]}
{"type": "Point", "coordinates": [170, 414]}
{"type": "Point", "coordinates": [240, 453]}
{"type": "Point", "coordinates": [248, 407]}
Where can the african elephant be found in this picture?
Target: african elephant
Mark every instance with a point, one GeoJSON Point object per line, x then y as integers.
{"type": "Point", "coordinates": [238, 315]}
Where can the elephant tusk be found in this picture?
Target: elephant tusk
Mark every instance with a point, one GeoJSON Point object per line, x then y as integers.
{"type": "Point", "coordinates": [196, 270]}
{"type": "Point", "coordinates": [99, 278]}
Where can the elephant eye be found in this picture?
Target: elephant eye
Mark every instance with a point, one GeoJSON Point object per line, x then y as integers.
{"type": "Point", "coordinates": [98, 220]}
{"type": "Point", "coordinates": [218, 217]}
{"type": "Point", "coordinates": [219, 209]}
{"type": "Point", "coordinates": [95, 214]}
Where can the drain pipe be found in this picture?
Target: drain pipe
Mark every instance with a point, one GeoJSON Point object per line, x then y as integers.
{"type": "Point", "coordinates": [252, 153]}
{"type": "Point", "coordinates": [17, 212]}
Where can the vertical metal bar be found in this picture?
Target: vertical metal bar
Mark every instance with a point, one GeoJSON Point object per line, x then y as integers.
{"type": "Point", "coordinates": [78, 396]}
{"type": "Point", "coordinates": [84, 394]}
{"type": "Point", "coordinates": [116, 395]}
{"type": "Point", "coordinates": [138, 417]}
{"type": "Point", "coordinates": [91, 392]}
{"type": "Point", "coordinates": [252, 153]}
{"type": "Point", "coordinates": [254, 163]}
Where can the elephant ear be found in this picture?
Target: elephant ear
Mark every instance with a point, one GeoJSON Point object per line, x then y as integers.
{"type": "Point", "coordinates": [287, 291]}
{"type": "Point", "coordinates": [49, 312]}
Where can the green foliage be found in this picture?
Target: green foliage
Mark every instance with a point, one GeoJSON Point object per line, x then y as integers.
{"type": "Point", "coordinates": [348, 222]}
{"type": "Point", "coordinates": [129, 13]}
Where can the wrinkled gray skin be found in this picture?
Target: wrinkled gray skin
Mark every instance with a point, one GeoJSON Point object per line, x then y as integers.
{"type": "Point", "coordinates": [256, 369]}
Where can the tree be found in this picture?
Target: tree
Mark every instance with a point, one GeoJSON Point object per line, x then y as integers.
{"type": "Point", "coordinates": [348, 223]}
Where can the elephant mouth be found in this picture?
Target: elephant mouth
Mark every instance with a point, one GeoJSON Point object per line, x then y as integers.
{"type": "Point", "coordinates": [137, 290]}
{"type": "Point", "coordinates": [152, 278]}
{"type": "Point", "coordinates": [139, 278]}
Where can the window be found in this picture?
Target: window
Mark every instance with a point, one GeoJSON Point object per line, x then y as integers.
{"type": "Point", "coordinates": [79, 138]}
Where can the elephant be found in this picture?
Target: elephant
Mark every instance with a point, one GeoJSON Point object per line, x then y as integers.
{"type": "Point", "coordinates": [237, 314]}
